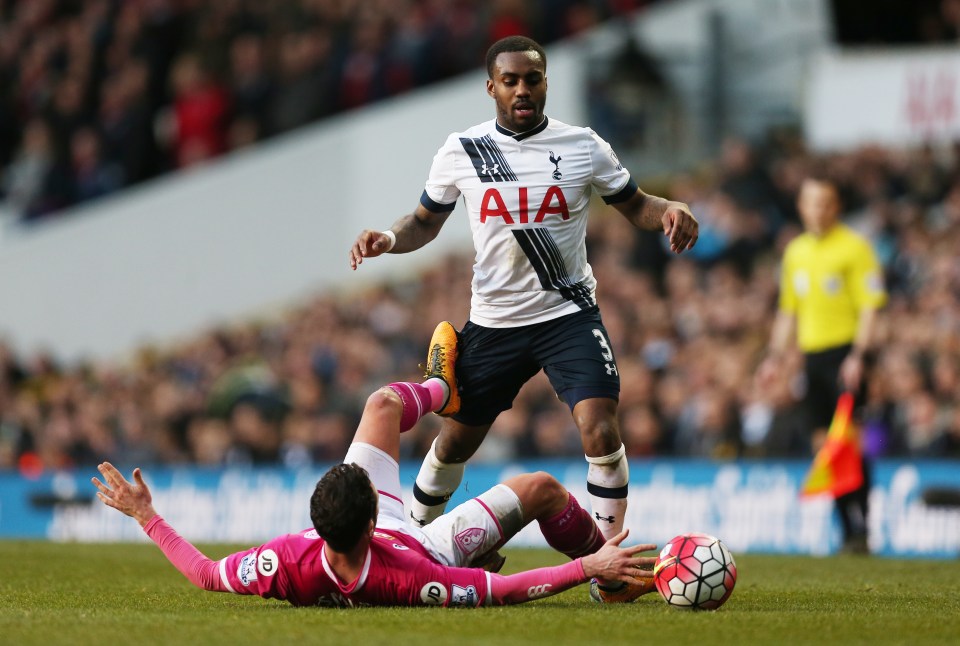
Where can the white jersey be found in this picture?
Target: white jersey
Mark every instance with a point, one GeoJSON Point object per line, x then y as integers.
{"type": "Point", "coordinates": [527, 197]}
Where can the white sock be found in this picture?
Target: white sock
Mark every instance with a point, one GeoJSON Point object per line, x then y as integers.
{"type": "Point", "coordinates": [607, 479]}
{"type": "Point", "coordinates": [435, 483]}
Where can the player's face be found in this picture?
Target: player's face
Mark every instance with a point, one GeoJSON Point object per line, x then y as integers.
{"type": "Point", "coordinates": [819, 206]}
{"type": "Point", "coordinates": [519, 88]}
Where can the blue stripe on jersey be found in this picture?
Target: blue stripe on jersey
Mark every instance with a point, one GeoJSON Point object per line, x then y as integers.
{"type": "Point", "coordinates": [623, 194]}
{"type": "Point", "coordinates": [488, 160]}
{"type": "Point", "coordinates": [544, 255]}
{"type": "Point", "coordinates": [435, 207]}
{"type": "Point", "coordinates": [497, 155]}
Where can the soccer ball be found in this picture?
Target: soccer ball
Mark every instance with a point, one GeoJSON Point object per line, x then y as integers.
{"type": "Point", "coordinates": [695, 571]}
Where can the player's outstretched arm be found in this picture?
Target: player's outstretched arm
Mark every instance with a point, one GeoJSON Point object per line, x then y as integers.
{"type": "Point", "coordinates": [610, 562]}
{"type": "Point", "coordinates": [134, 500]}
{"type": "Point", "coordinates": [411, 232]}
{"type": "Point", "coordinates": [650, 213]}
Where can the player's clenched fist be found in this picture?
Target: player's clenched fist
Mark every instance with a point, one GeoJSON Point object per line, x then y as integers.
{"type": "Point", "coordinates": [369, 244]}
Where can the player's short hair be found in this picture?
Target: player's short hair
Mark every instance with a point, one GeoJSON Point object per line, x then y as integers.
{"type": "Point", "coordinates": [342, 506]}
{"type": "Point", "coordinates": [513, 44]}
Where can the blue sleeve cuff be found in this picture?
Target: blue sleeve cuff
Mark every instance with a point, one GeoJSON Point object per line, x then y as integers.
{"type": "Point", "coordinates": [435, 207]}
{"type": "Point", "coordinates": [623, 194]}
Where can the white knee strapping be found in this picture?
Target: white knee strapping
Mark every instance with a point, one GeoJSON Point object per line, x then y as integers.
{"type": "Point", "coordinates": [609, 470]}
{"type": "Point", "coordinates": [439, 478]}
{"type": "Point", "coordinates": [607, 479]}
{"type": "Point", "coordinates": [435, 482]}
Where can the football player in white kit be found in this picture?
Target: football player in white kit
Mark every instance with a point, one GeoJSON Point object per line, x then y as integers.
{"type": "Point", "coordinates": [526, 182]}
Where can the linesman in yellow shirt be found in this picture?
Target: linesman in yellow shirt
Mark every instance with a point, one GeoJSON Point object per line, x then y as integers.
{"type": "Point", "coordinates": [831, 287]}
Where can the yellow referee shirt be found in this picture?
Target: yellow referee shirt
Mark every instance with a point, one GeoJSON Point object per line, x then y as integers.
{"type": "Point", "coordinates": [826, 282]}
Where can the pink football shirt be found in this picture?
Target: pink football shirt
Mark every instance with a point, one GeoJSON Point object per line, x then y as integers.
{"type": "Point", "coordinates": [398, 571]}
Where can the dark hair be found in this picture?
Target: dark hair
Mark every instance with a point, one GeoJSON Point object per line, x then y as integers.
{"type": "Point", "coordinates": [342, 506]}
{"type": "Point", "coordinates": [822, 177]}
{"type": "Point", "coordinates": [513, 44]}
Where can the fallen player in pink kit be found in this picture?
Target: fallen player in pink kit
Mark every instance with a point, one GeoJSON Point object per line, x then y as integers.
{"type": "Point", "coordinates": [362, 551]}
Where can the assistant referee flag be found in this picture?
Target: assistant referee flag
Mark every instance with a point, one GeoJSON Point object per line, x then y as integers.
{"type": "Point", "coordinates": [837, 468]}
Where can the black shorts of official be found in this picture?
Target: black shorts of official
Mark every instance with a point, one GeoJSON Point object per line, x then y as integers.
{"type": "Point", "coordinates": [823, 383]}
{"type": "Point", "coordinates": [493, 363]}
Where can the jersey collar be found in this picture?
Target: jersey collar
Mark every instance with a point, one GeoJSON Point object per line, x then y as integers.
{"type": "Point", "coordinates": [520, 136]}
{"type": "Point", "coordinates": [349, 588]}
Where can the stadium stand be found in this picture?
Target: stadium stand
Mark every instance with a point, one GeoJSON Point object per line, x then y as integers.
{"type": "Point", "coordinates": [689, 335]}
{"type": "Point", "coordinates": [107, 94]}
{"type": "Point", "coordinates": [289, 390]}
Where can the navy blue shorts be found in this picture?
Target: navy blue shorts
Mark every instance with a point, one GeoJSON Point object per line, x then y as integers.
{"type": "Point", "coordinates": [822, 370]}
{"type": "Point", "coordinates": [574, 351]}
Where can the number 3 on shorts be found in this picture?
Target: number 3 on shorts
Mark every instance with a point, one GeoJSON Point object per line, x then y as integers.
{"type": "Point", "coordinates": [606, 352]}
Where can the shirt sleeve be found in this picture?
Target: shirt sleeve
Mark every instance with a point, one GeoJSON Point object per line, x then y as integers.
{"type": "Point", "coordinates": [258, 570]}
{"type": "Point", "coordinates": [867, 279]}
{"type": "Point", "coordinates": [610, 179]}
{"type": "Point", "coordinates": [441, 193]}
{"type": "Point", "coordinates": [788, 296]}
{"type": "Point", "coordinates": [535, 584]}
{"type": "Point", "coordinates": [193, 564]}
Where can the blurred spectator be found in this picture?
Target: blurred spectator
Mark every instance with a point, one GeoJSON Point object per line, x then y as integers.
{"type": "Point", "coordinates": [250, 84]}
{"type": "Point", "coordinates": [92, 175]}
{"type": "Point", "coordinates": [36, 183]}
{"type": "Point", "coordinates": [305, 88]}
{"type": "Point", "coordinates": [198, 122]}
{"type": "Point", "coordinates": [126, 122]}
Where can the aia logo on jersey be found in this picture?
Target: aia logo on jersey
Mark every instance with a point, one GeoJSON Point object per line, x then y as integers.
{"type": "Point", "coordinates": [470, 539]}
{"type": "Point", "coordinates": [557, 175]}
{"type": "Point", "coordinates": [493, 206]}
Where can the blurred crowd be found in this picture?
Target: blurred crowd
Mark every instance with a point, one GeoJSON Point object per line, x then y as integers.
{"type": "Point", "coordinates": [96, 95]}
{"type": "Point", "coordinates": [688, 332]}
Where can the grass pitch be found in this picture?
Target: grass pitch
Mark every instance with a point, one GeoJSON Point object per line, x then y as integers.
{"type": "Point", "coordinates": [111, 594]}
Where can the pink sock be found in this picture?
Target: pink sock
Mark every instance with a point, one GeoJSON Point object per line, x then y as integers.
{"type": "Point", "coordinates": [572, 531]}
{"type": "Point", "coordinates": [417, 402]}
{"type": "Point", "coordinates": [438, 392]}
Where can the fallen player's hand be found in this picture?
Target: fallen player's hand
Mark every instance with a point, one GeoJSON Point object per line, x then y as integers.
{"type": "Point", "coordinates": [131, 498]}
{"type": "Point", "coordinates": [614, 563]}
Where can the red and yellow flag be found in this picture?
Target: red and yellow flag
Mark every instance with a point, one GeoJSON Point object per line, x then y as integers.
{"type": "Point", "coordinates": [837, 468]}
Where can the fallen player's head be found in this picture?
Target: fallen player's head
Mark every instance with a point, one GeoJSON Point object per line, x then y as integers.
{"type": "Point", "coordinates": [343, 505]}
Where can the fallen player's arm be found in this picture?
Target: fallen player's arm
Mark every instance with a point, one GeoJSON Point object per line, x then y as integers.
{"type": "Point", "coordinates": [192, 563]}
{"type": "Point", "coordinates": [134, 500]}
{"type": "Point", "coordinates": [610, 562]}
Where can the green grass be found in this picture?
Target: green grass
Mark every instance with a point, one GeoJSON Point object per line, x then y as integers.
{"type": "Point", "coordinates": [129, 594]}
